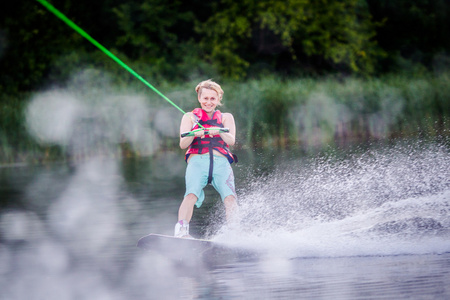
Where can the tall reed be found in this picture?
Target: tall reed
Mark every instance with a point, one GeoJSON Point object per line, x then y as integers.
{"type": "Point", "coordinates": [268, 112]}
{"type": "Point", "coordinates": [325, 111]}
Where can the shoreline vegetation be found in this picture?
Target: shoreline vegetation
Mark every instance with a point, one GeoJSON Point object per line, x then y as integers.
{"type": "Point", "coordinates": [269, 112]}
{"type": "Point", "coordinates": [296, 74]}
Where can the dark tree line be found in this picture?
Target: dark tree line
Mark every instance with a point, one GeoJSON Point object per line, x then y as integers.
{"type": "Point", "coordinates": [232, 39]}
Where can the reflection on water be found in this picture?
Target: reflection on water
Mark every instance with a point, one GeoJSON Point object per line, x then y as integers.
{"type": "Point", "coordinates": [360, 223]}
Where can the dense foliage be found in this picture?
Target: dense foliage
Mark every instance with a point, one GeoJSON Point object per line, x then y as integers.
{"type": "Point", "coordinates": [179, 40]}
{"type": "Point", "coordinates": [295, 71]}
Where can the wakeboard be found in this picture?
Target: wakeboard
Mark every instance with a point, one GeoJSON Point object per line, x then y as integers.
{"type": "Point", "coordinates": [190, 248]}
{"type": "Point", "coordinates": [158, 242]}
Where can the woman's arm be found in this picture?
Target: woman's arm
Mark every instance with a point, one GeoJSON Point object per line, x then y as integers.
{"type": "Point", "coordinates": [228, 122]}
{"type": "Point", "coordinates": [186, 125]}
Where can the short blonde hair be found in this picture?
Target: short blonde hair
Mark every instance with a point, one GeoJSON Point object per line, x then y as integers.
{"type": "Point", "coordinates": [211, 85]}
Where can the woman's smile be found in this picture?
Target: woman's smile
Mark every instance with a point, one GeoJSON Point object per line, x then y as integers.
{"type": "Point", "coordinates": [209, 99]}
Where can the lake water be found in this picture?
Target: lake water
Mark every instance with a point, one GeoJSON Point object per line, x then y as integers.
{"type": "Point", "coordinates": [359, 223]}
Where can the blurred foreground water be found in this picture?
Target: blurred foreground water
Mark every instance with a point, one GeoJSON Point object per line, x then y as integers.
{"type": "Point", "coordinates": [355, 223]}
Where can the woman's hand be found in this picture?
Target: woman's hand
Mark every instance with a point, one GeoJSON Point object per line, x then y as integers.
{"type": "Point", "coordinates": [212, 133]}
{"type": "Point", "coordinates": [200, 134]}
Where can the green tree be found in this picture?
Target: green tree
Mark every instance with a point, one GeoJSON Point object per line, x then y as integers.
{"type": "Point", "coordinates": [158, 33]}
{"type": "Point", "coordinates": [26, 43]}
{"type": "Point", "coordinates": [32, 40]}
{"type": "Point", "coordinates": [340, 33]}
{"type": "Point", "coordinates": [413, 30]}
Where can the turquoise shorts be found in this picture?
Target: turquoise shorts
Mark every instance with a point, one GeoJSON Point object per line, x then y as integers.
{"type": "Point", "coordinates": [197, 172]}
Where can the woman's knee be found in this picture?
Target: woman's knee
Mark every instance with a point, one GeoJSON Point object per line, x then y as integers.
{"type": "Point", "coordinates": [190, 198]}
{"type": "Point", "coordinates": [230, 201]}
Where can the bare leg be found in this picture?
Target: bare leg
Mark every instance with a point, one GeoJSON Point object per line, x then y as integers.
{"type": "Point", "coordinates": [187, 208]}
{"type": "Point", "coordinates": [231, 208]}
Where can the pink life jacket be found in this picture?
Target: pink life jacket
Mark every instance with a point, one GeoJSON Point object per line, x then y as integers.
{"type": "Point", "coordinates": [208, 144]}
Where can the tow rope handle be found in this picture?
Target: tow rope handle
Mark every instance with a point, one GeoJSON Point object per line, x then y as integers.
{"type": "Point", "coordinates": [192, 133]}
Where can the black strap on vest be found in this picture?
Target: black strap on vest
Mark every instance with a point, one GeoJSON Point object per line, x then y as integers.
{"type": "Point", "coordinates": [211, 165]}
{"type": "Point", "coordinates": [211, 122]}
{"type": "Point", "coordinates": [212, 142]}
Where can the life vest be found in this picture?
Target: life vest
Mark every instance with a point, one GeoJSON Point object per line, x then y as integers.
{"type": "Point", "coordinates": [207, 144]}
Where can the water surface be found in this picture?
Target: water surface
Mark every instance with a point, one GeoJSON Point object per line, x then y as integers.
{"type": "Point", "coordinates": [366, 222]}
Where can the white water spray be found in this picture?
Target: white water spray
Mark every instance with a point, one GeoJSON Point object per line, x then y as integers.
{"type": "Point", "coordinates": [381, 202]}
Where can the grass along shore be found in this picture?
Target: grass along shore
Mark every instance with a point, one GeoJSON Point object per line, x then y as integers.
{"type": "Point", "coordinates": [91, 115]}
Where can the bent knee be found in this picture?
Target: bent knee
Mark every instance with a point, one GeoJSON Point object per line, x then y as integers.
{"type": "Point", "coordinates": [230, 201]}
{"type": "Point", "coordinates": [190, 198]}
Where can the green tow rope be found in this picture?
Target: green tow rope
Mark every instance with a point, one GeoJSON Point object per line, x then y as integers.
{"type": "Point", "coordinates": [83, 33]}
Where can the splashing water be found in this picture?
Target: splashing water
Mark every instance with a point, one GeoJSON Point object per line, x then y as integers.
{"type": "Point", "coordinates": [89, 118]}
{"type": "Point", "coordinates": [388, 201]}
{"type": "Point", "coordinates": [72, 243]}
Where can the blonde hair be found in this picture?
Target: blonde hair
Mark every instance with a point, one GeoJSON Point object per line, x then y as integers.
{"type": "Point", "coordinates": [211, 85]}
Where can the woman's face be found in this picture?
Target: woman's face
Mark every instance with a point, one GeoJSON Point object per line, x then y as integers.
{"type": "Point", "coordinates": [208, 99]}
